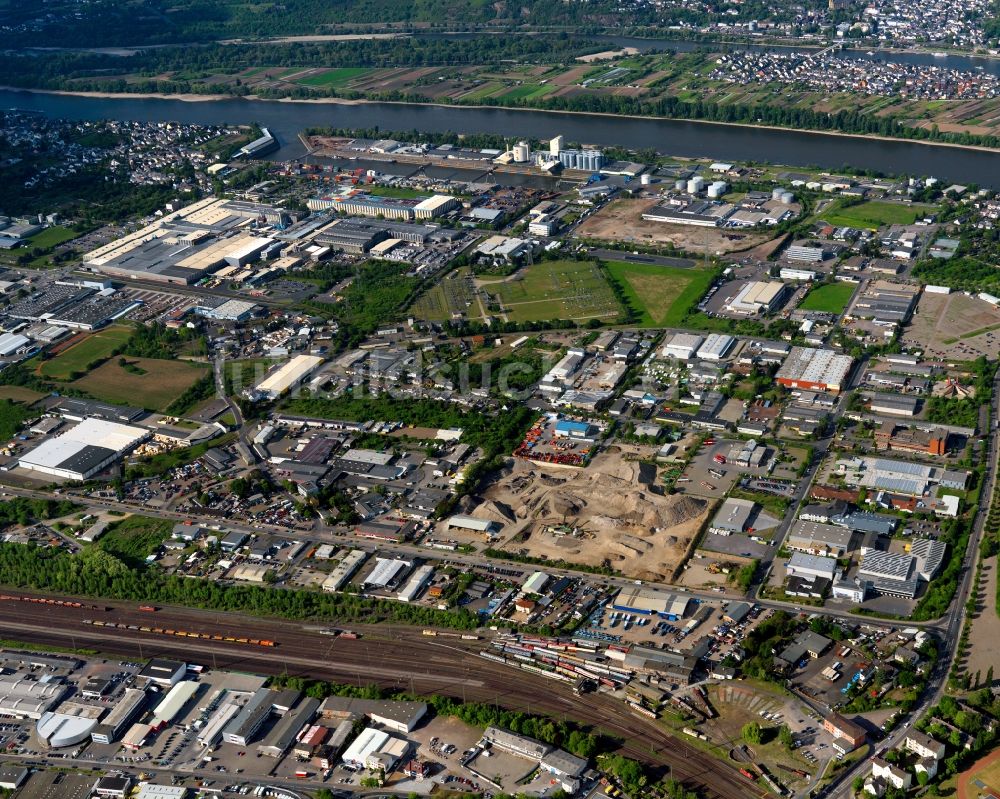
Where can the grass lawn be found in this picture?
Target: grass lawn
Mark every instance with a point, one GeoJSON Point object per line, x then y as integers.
{"type": "Point", "coordinates": [20, 394]}
{"type": "Point", "coordinates": [873, 214]}
{"type": "Point", "coordinates": [661, 294]}
{"type": "Point", "coordinates": [831, 298]}
{"type": "Point", "coordinates": [163, 382]}
{"type": "Point", "coordinates": [398, 192]}
{"type": "Point", "coordinates": [52, 236]}
{"type": "Point", "coordinates": [556, 290]}
{"type": "Point", "coordinates": [78, 357]}
{"type": "Point", "coordinates": [334, 77]}
{"type": "Point", "coordinates": [132, 539]}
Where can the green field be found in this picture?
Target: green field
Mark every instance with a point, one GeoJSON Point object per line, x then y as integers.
{"type": "Point", "coordinates": [163, 382]}
{"type": "Point", "coordinates": [397, 192]}
{"type": "Point", "coordinates": [454, 294]}
{"type": "Point", "coordinates": [52, 236]}
{"type": "Point", "coordinates": [132, 539]}
{"type": "Point", "coordinates": [830, 298]}
{"type": "Point", "coordinates": [661, 294]}
{"type": "Point", "coordinates": [528, 91]}
{"type": "Point", "coordinates": [78, 357]}
{"type": "Point", "coordinates": [334, 77]}
{"type": "Point", "coordinates": [555, 290]}
{"type": "Point", "coordinates": [874, 214]}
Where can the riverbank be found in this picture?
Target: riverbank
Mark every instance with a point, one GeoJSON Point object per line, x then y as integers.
{"type": "Point", "coordinates": [197, 98]}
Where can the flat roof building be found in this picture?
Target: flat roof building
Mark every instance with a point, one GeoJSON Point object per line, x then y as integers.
{"type": "Point", "coordinates": [716, 347]}
{"type": "Point", "coordinates": [288, 375]}
{"type": "Point", "coordinates": [815, 538]}
{"type": "Point", "coordinates": [85, 450]}
{"type": "Point", "coordinates": [815, 370]}
{"type": "Point", "coordinates": [802, 565]}
{"type": "Point", "coordinates": [241, 730]}
{"type": "Point", "coordinates": [757, 297]}
{"type": "Point", "coordinates": [734, 516]}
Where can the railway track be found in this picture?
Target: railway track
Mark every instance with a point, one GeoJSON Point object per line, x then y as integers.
{"type": "Point", "coordinates": [388, 655]}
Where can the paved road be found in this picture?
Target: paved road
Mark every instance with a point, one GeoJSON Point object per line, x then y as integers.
{"type": "Point", "coordinates": [950, 625]}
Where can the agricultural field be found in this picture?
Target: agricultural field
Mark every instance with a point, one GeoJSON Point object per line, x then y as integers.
{"type": "Point", "coordinates": [334, 78]}
{"type": "Point", "coordinates": [874, 214]}
{"type": "Point", "coordinates": [453, 294]}
{"type": "Point", "coordinates": [79, 356]}
{"type": "Point", "coordinates": [546, 290]}
{"type": "Point", "coordinates": [148, 383]}
{"type": "Point", "coordinates": [20, 394]}
{"type": "Point", "coordinates": [661, 294]}
{"type": "Point", "coordinates": [828, 298]}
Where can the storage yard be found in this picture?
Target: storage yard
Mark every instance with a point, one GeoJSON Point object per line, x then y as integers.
{"type": "Point", "coordinates": [621, 220]}
{"type": "Point", "coordinates": [954, 325]}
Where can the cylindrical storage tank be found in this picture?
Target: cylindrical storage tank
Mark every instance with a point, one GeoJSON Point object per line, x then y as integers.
{"type": "Point", "coordinates": [694, 185]}
{"type": "Point", "coordinates": [522, 152]}
{"type": "Point", "coordinates": [714, 192]}
{"type": "Point", "coordinates": [776, 193]}
{"type": "Point", "coordinates": [680, 185]}
{"type": "Point", "coordinates": [646, 179]}
{"type": "Point", "coordinates": [787, 197]}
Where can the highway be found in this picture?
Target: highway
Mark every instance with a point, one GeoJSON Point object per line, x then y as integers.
{"type": "Point", "coordinates": [391, 656]}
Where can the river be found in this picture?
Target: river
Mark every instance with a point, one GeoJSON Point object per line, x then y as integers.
{"type": "Point", "coordinates": [672, 137]}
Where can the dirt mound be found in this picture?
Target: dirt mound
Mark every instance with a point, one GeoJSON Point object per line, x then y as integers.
{"type": "Point", "coordinates": [604, 513]}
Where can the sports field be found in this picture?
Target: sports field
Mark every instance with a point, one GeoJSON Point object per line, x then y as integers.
{"type": "Point", "coordinates": [874, 214]}
{"type": "Point", "coordinates": [334, 77]}
{"type": "Point", "coordinates": [829, 298]}
{"type": "Point", "coordinates": [78, 357]}
{"type": "Point", "coordinates": [162, 383]}
{"type": "Point", "coordinates": [981, 779]}
{"type": "Point", "coordinates": [661, 294]}
{"type": "Point", "coordinates": [555, 290]}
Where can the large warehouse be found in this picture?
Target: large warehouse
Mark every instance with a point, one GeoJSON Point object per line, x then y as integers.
{"type": "Point", "coordinates": [82, 452]}
{"type": "Point", "coordinates": [814, 370]}
{"type": "Point", "coordinates": [651, 602]}
{"type": "Point", "coordinates": [288, 376]}
{"type": "Point", "coordinates": [757, 297]}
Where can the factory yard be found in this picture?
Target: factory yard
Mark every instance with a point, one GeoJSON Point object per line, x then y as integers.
{"type": "Point", "coordinates": [954, 326]}
{"type": "Point", "coordinates": [595, 516]}
{"type": "Point", "coordinates": [621, 220]}
{"type": "Point", "coordinates": [553, 290]}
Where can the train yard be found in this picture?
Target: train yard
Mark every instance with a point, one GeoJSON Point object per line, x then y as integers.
{"type": "Point", "coordinates": [393, 657]}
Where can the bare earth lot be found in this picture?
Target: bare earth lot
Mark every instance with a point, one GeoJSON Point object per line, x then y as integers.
{"type": "Point", "coordinates": [984, 651]}
{"type": "Point", "coordinates": [954, 326]}
{"type": "Point", "coordinates": [617, 518]}
{"type": "Point", "coordinates": [622, 220]}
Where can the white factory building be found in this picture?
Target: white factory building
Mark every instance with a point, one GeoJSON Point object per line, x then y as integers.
{"type": "Point", "coordinates": [682, 346]}
{"type": "Point", "coordinates": [85, 450]}
{"type": "Point", "coordinates": [287, 376]}
{"type": "Point", "coordinates": [716, 347]}
{"type": "Point", "coordinates": [757, 297]}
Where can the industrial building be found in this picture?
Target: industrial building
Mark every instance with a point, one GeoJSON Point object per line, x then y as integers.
{"type": "Point", "coordinates": [85, 450]}
{"type": "Point", "coordinates": [734, 516]}
{"type": "Point", "coordinates": [287, 376]}
{"type": "Point", "coordinates": [814, 538]}
{"type": "Point", "coordinates": [173, 703]}
{"type": "Point", "coordinates": [757, 297]}
{"type": "Point", "coordinates": [121, 717]}
{"type": "Point", "coordinates": [463, 522]}
{"type": "Point", "coordinates": [815, 370]}
{"type": "Point", "coordinates": [801, 564]}
{"type": "Point", "coordinates": [242, 728]}
{"type": "Point", "coordinates": [716, 347]}
{"type": "Point", "coordinates": [682, 346]}
{"type": "Point", "coordinates": [651, 602]}
{"type": "Point", "coordinates": [891, 573]}
{"type": "Point", "coordinates": [344, 570]}
{"type": "Point", "coordinates": [165, 673]}
{"type": "Point", "coordinates": [21, 698]}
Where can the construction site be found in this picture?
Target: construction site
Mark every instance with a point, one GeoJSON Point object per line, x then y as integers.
{"type": "Point", "coordinates": [609, 514]}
